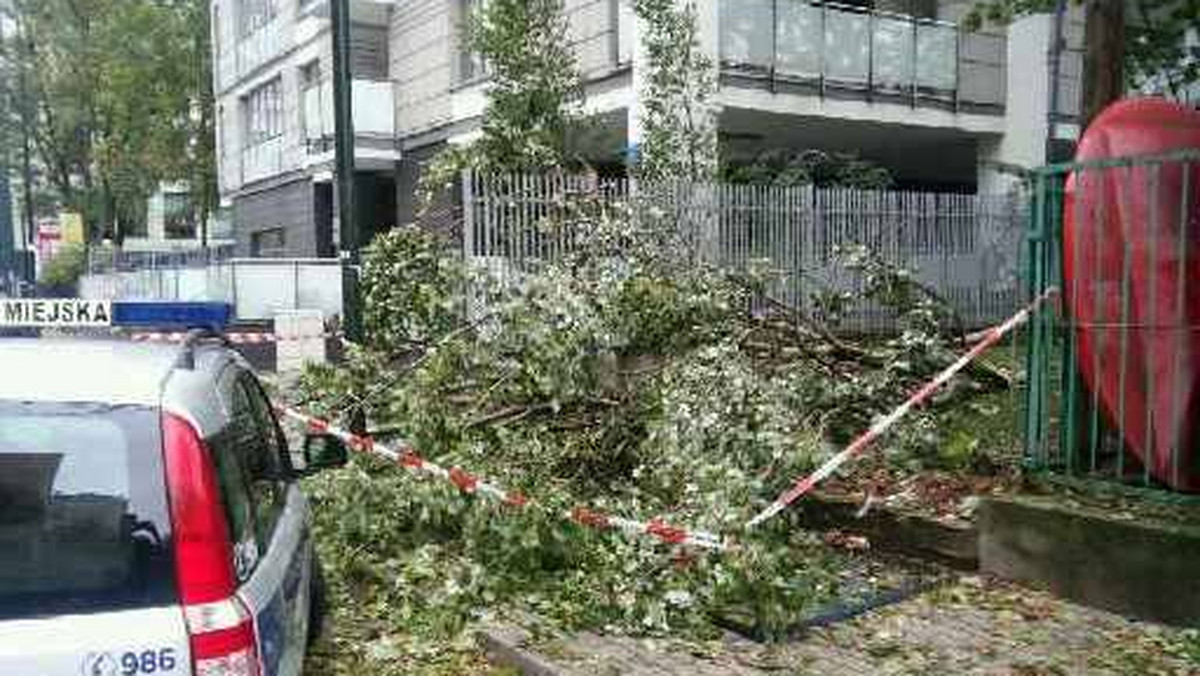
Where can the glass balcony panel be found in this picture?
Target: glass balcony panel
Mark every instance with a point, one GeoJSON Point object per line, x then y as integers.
{"type": "Point", "coordinates": [847, 46]}
{"type": "Point", "coordinates": [937, 56]}
{"type": "Point", "coordinates": [798, 38]}
{"type": "Point", "coordinates": [747, 27]}
{"type": "Point", "coordinates": [892, 65]}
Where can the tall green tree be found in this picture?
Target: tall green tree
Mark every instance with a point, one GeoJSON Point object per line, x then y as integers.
{"type": "Point", "coordinates": [1128, 44]}
{"type": "Point", "coordinates": [118, 98]}
{"type": "Point", "coordinates": [534, 94]}
{"type": "Point", "coordinates": [535, 88]}
{"type": "Point", "coordinates": [679, 119]}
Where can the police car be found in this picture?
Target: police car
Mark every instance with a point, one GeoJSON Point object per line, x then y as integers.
{"type": "Point", "coordinates": [150, 518]}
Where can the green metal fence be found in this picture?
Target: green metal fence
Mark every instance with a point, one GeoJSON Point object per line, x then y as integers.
{"type": "Point", "coordinates": [1113, 374]}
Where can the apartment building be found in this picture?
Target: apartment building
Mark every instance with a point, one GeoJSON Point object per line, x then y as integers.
{"type": "Point", "coordinates": [172, 224]}
{"type": "Point", "coordinates": [272, 76]}
{"type": "Point", "coordinates": [896, 81]}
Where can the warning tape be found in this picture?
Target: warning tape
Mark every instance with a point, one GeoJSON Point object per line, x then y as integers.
{"type": "Point", "coordinates": [406, 457]}
{"type": "Point", "coordinates": [856, 447]}
{"type": "Point", "coordinates": [235, 338]}
{"type": "Point", "coordinates": [466, 482]}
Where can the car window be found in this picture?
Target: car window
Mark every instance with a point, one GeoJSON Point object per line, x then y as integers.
{"type": "Point", "coordinates": [261, 454]}
{"type": "Point", "coordinates": [251, 473]}
{"type": "Point", "coordinates": [235, 495]}
{"type": "Point", "coordinates": [278, 460]}
{"type": "Point", "coordinates": [84, 522]}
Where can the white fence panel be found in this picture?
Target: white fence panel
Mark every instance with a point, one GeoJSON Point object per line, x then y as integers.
{"type": "Point", "coordinates": [258, 288]}
{"type": "Point", "coordinates": [963, 247]}
{"type": "Point", "coordinates": [319, 287]}
{"type": "Point", "coordinates": [262, 290]}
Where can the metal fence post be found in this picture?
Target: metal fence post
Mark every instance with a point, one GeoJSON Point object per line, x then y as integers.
{"type": "Point", "coordinates": [295, 284]}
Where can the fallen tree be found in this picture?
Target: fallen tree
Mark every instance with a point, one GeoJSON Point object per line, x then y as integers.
{"type": "Point", "coordinates": [629, 377]}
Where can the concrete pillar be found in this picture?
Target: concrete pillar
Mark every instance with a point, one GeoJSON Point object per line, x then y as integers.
{"type": "Point", "coordinates": [1026, 107]}
{"type": "Point", "coordinates": [634, 128]}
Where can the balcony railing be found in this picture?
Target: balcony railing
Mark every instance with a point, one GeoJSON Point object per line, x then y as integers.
{"type": "Point", "coordinates": [373, 106]}
{"type": "Point", "coordinates": [843, 47]}
{"type": "Point", "coordinates": [262, 160]}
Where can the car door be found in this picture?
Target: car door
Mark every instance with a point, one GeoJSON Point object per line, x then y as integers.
{"type": "Point", "coordinates": [272, 542]}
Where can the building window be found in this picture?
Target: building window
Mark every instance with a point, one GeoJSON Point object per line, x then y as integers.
{"type": "Point", "coordinates": [179, 221]}
{"type": "Point", "coordinates": [311, 108]}
{"type": "Point", "coordinates": [216, 28]}
{"type": "Point", "coordinates": [471, 65]}
{"type": "Point", "coordinates": [133, 221]}
{"type": "Point", "coordinates": [369, 53]}
{"type": "Point", "coordinates": [263, 112]}
{"type": "Point", "coordinates": [310, 74]}
{"type": "Point", "coordinates": [255, 14]}
{"type": "Point", "coordinates": [268, 243]}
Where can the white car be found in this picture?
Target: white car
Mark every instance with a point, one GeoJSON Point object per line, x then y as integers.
{"type": "Point", "coordinates": [150, 518]}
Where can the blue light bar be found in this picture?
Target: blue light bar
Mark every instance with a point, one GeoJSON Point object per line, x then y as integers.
{"type": "Point", "coordinates": [178, 316]}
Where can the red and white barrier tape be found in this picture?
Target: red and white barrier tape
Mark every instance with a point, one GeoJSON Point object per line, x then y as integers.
{"type": "Point", "coordinates": [406, 457]}
{"type": "Point", "coordinates": [235, 338]}
{"type": "Point", "coordinates": [860, 444]}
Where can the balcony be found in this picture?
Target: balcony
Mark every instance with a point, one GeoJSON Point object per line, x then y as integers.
{"type": "Point", "coordinates": [374, 109]}
{"type": "Point", "coordinates": [835, 50]}
{"type": "Point", "coordinates": [362, 12]}
{"type": "Point", "coordinates": [262, 160]}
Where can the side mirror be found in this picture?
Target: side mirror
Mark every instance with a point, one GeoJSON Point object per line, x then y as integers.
{"type": "Point", "coordinates": [324, 451]}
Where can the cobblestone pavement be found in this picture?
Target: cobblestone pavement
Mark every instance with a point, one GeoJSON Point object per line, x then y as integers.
{"type": "Point", "coordinates": [971, 627]}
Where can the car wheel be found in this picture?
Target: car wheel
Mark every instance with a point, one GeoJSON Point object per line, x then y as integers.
{"type": "Point", "coordinates": [318, 601]}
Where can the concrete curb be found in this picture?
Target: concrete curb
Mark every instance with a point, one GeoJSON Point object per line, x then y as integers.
{"type": "Point", "coordinates": [503, 645]}
{"type": "Point", "coordinates": [1142, 569]}
{"type": "Point", "coordinates": [955, 545]}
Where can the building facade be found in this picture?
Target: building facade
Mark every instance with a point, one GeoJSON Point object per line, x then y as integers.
{"type": "Point", "coordinates": [899, 82]}
{"type": "Point", "coordinates": [171, 223]}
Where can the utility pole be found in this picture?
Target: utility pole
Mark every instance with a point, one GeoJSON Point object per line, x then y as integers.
{"type": "Point", "coordinates": [344, 153]}
{"type": "Point", "coordinates": [1056, 50]}
{"type": "Point", "coordinates": [28, 231]}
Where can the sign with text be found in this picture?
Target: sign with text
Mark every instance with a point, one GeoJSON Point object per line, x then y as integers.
{"type": "Point", "coordinates": [50, 312]}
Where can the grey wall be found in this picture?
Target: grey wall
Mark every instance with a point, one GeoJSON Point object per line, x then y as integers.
{"type": "Point", "coordinates": [422, 37]}
{"type": "Point", "coordinates": [289, 206]}
{"type": "Point", "coordinates": [408, 178]}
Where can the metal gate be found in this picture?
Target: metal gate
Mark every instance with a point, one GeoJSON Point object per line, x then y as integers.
{"type": "Point", "coordinates": [1113, 376]}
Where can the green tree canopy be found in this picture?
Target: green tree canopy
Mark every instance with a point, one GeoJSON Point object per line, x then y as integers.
{"type": "Point", "coordinates": [119, 97]}
{"type": "Point", "coordinates": [1155, 35]}
{"type": "Point", "coordinates": [534, 84]}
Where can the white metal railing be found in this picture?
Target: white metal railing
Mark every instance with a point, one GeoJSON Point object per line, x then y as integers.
{"type": "Point", "coordinates": [965, 247]}
{"type": "Point", "coordinates": [841, 46]}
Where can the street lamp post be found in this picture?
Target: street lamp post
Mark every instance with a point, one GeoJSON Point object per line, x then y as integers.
{"type": "Point", "coordinates": [344, 153]}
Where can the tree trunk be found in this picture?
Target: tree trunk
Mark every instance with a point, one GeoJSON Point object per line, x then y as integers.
{"type": "Point", "coordinates": [1103, 57]}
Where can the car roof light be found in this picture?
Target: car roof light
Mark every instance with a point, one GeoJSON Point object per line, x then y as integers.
{"type": "Point", "coordinates": [171, 315]}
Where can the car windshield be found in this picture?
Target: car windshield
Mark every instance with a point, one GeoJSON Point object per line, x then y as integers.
{"type": "Point", "coordinates": [84, 525]}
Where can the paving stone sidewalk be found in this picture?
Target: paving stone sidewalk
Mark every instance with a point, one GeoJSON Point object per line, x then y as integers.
{"type": "Point", "coordinates": [971, 627]}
